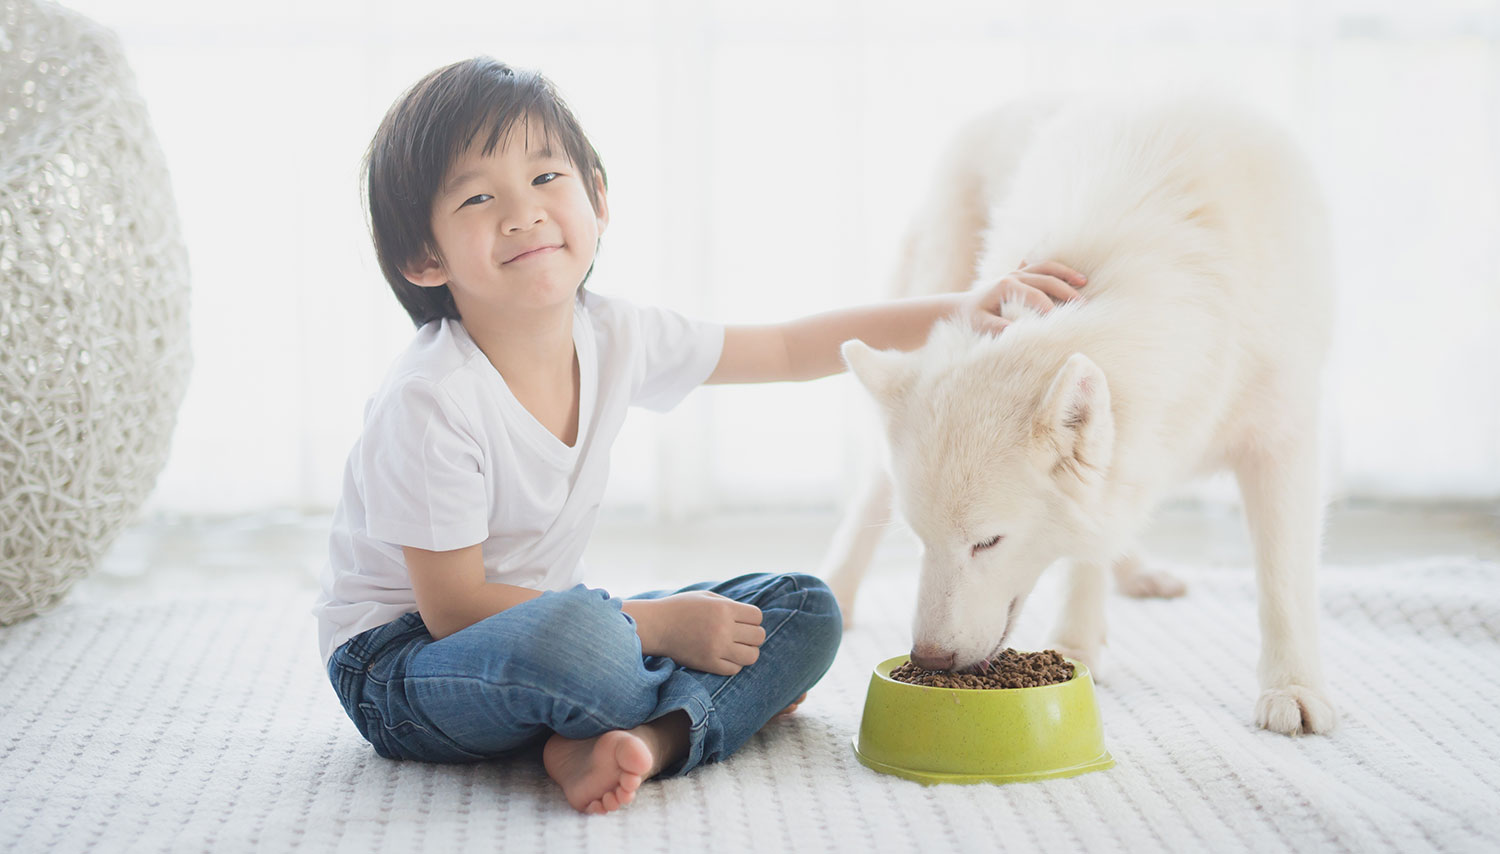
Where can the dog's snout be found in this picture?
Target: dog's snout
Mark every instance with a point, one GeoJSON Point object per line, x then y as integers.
{"type": "Point", "coordinates": [931, 657]}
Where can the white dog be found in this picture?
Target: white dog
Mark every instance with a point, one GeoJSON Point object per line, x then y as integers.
{"type": "Point", "coordinates": [1198, 346]}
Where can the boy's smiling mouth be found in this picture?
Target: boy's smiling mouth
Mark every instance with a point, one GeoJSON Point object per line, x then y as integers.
{"type": "Point", "coordinates": [534, 252]}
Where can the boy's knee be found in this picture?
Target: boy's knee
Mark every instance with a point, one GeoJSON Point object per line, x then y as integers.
{"type": "Point", "coordinates": [814, 596]}
{"type": "Point", "coordinates": [577, 629]}
{"type": "Point", "coordinates": [817, 606]}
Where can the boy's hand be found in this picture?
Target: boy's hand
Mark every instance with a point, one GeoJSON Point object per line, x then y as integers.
{"type": "Point", "coordinates": [1037, 285]}
{"type": "Point", "coordinates": [704, 631]}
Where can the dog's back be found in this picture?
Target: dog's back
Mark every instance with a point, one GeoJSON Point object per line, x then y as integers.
{"type": "Point", "coordinates": [1201, 231]}
{"type": "Point", "coordinates": [1210, 192]}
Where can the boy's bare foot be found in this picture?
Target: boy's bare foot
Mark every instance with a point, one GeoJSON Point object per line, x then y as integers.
{"type": "Point", "coordinates": [601, 774]}
{"type": "Point", "coordinates": [793, 707]}
{"type": "Point", "coordinates": [788, 710]}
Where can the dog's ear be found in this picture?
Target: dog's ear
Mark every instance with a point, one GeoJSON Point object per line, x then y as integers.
{"type": "Point", "coordinates": [887, 374]}
{"type": "Point", "coordinates": [1075, 420]}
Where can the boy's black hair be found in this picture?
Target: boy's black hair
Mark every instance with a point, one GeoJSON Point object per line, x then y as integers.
{"type": "Point", "coordinates": [426, 130]}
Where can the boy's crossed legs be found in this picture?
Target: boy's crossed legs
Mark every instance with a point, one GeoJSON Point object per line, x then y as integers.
{"type": "Point", "coordinates": [568, 666]}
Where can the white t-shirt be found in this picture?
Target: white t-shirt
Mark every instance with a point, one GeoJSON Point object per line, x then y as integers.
{"type": "Point", "coordinates": [449, 458]}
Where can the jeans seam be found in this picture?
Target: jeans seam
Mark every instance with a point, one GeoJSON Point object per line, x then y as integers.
{"type": "Point", "coordinates": [366, 663]}
{"type": "Point", "coordinates": [358, 654]}
{"type": "Point", "coordinates": [372, 711]}
{"type": "Point", "coordinates": [589, 713]}
{"type": "Point", "coordinates": [802, 600]}
{"type": "Point", "coordinates": [702, 724]}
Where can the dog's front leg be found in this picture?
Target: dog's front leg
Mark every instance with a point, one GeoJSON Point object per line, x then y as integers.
{"type": "Point", "coordinates": [1283, 506]}
{"type": "Point", "coordinates": [854, 543]}
{"type": "Point", "coordinates": [1080, 625]}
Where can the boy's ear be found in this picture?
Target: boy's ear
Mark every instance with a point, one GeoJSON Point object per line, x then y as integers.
{"type": "Point", "coordinates": [425, 272]}
{"type": "Point", "coordinates": [602, 214]}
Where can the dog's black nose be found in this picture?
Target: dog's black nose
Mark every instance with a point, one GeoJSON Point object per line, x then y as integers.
{"type": "Point", "coordinates": [931, 658]}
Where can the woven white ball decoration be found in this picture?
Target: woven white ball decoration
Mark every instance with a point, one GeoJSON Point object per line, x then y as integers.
{"type": "Point", "coordinates": [93, 302]}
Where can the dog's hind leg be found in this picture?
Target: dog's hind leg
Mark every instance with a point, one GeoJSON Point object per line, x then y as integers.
{"type": "Point", "coordinates": [854, 542]}
{"type": "Point", "coordinates": [1080, 626]}
{"type": "Point", "coordinates": [1279, 483]}
{"type": "Point", "coordinates": [1132, 578]}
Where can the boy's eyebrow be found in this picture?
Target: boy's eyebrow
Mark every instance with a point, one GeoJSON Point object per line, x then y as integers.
{"type": "Point", "coordinates": [458, 180]}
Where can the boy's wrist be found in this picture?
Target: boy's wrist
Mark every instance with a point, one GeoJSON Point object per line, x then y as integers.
{"type": "Point", "coordinates": [643, 612]}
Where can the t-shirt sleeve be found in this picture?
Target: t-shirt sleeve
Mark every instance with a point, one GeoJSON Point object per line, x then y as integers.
{"type": "Point", "coordinates": [677, 355]}
{"type": "Point", "coordinates": [423, 472]}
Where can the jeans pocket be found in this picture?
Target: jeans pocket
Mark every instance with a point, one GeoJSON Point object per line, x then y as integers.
{"type": "Point", "coordinates": [390, 646]}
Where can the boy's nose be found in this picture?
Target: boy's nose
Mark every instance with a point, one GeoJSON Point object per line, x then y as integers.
{"type": "Point", "coordinates": [525, 222]}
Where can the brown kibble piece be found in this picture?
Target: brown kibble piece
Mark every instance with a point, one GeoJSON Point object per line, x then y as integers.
{"type": "Point", "coordinates": [1009, 669]}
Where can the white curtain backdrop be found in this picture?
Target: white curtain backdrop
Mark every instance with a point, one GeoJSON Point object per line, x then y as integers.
{"type": "Point", "coordinates": [763, 159]}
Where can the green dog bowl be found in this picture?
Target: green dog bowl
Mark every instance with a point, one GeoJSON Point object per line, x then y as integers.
{"type": "Point", "coordinates": [992, 735]}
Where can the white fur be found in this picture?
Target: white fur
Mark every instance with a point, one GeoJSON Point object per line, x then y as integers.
{"type": "Point", "coordinates": [1199, 348]}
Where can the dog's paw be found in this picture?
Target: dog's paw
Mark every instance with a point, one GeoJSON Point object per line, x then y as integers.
{"type": "Point", "coordinates": [1295, 710]}
{"type": "Point", "coordinates": [1147, 585]}
{"type": "Point", "coordinates": [1090, 657]}
{"type": "Point", "coordinates": [1133, 579]}
{"type": "Point", "coordinates": [1160, 585]}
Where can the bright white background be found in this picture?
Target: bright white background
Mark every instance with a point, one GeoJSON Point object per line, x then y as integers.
{"type": "Point", "coordinates": [763, 159]}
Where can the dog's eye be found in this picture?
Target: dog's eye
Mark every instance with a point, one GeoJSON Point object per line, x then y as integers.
{"type": "Point", "coordinates": [990, 543]}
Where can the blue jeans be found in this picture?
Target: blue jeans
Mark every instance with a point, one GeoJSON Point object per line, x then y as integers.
{"type": "Point", "coordinates": [570, 662]}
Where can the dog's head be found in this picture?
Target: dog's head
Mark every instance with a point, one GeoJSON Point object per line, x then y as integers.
{"type": "Point", "coordinates": [998, 456]}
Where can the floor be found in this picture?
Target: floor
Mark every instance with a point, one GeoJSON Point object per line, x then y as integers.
{"type": "Point", "coordinates": [176, 702]}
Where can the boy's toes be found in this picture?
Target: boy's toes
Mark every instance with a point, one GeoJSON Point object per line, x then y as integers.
{"type": "Point", "coordinates": [793, 707]}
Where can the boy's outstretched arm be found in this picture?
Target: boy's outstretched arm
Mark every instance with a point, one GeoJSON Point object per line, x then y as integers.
{"type": "Point", "coordinates": [808, 348]}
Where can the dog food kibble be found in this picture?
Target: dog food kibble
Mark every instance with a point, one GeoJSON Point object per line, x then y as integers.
{"type": "Point", "coordinates": [1010, 669]}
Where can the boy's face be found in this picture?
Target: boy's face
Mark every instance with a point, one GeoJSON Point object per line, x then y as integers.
{"type": "Point", "coordinates": [515, 228]}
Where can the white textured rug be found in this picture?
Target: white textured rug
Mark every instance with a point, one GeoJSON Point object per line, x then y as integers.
{"type": "Point", "coordinates": [206, 724]}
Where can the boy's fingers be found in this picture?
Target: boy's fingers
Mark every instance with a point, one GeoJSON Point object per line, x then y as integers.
{"type": "Point", "coordinates": [1061, 271]}
{"type": "Point", "coordinates": [991, 323]}
{"type": "Point", "coordinates": [1027, 293]}
{"type": "Point", "coordinates": [746, 613]}
{"type": "Point", "coordinates": [747, 634]}
{"type": "Point", "coordinates": [743, 655]}
{"type": "Point", "coordinates": [1051, 286]}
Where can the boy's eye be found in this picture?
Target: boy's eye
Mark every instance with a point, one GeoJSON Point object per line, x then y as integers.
{"type": "Point", "coordinates": [544, 178]}
{"type": "Point", "coordinates": [474, 200]}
